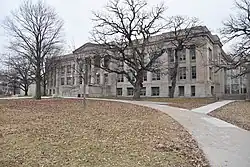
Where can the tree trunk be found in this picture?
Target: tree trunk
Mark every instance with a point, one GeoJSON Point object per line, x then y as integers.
{"type": "Point", "coordinates": [174, 75]}
{"type": "Point", "coordinates": [38, 82]}
{"type": "Point", "coordinates": [26, 89]}
{"type": "Point", "coordinates": [44, 88]}
{"type": "Point", "coordinates": [137, 88]}
{"type": "Point", "coordinates": [248, 84]}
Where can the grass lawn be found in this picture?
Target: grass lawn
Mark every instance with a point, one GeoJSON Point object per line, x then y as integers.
{"type": "Point", "coordinates": [237, 113]}
{"type": "Point", "coordinates": [187, 103]}
{"type": "Point", "coordinates": [59, 132]}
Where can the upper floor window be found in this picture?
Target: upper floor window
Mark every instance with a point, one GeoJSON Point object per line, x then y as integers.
{"type": "Point", "coordinates": [63, 70]}
{"type": "Point", "coordinates": [182, 55]}
{"type": "Point", "coordinates": [193, 72]}
{"type": "Point", "coordinates": [120, 78]}
{"type": "Point", "coordinates": [68, 69]}
{"type": "Point", "coordinates": [192, 52]}
{"type": "Point", "coordinates": [182, 73]}
{"type": "Point", "coordinates": [210, 73]}
{"type": "Point", "coordinates": [145, 76]}
{"type": "Point", "coordinates": [62, 81]}
{"type": "Point", "coordinates": [143, 91]}
{"type": "Point", "coordinates": [210, 54]}
{"type": "Point", "coordinates": [156, 75]}
{"type": "Point", "coordinates": [170, 55]}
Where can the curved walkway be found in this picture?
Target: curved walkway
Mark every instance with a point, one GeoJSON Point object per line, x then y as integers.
{"type": "Point", "coordinates": [224, 144]}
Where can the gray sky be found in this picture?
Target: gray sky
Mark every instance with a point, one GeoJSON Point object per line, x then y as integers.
{"type": "Point", "coordinates": [77, 15]}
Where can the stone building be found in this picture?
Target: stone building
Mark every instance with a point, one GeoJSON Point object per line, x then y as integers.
{"type": "Point", "coordinates": [196, 76]}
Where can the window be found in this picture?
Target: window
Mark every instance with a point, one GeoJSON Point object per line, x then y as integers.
{"type": "Point", "coordinates": [73, 81]}
{"type": "Point", "coordinates": [119, 91]}
{"type": "Point", "coordinates": [210, 73]}
{"type": "Point", "coordinates": [170, 55]}
{"type": "Point", "coordinates": [192, 52]}
{"type": "Point", "coordinates": [97, 78]}
{"type": "Point", "coordinates": [192, 90]}
{"type": "Point", "coordinates": [130, 91]}
{"type": "Point", "coordinates": [181, 90]}
{"type": "Point", "coordinates": [143, 91]}
{"type": "Point", "coordinates": [183, 55]}
{"type": "Point", "coordinates": [68, 69]}
{"type": "Point", "coordinates": [106, 78]}
{"type": "Point", "coordinates": [210, 54]}
{"type": "Point", "coordinates": [155, 91]}
{"type": "Point", "coordinates": [80, 80]}
{"type": "Point", "coordinates": [169, 90]}
{"type": "Point", "coordinates": [156, 75]}
{"type": "Point", "coordinates": [62, 81]}
{"type": "Point", "coordinates": [62, 70]}
{"type": "Point", "coordinates": [74, 68]}
{"type": "Point", "coordinates": [145, 78]}
{"type": "Point", "coordinates": [97, 61]}
{"type": "Point", "coordinates": [106, 60]}
{"type": "Point", "coordinates": [193, 72]}
{"type": "Point", "coordinates": [69, 80]}
{"type": "Point", "coordinates": [182, 73]}
{"type": "Point", "coordinates": [212, 90]}
{"type": "Point", "coordinates": [54, 91]}
{"type": "Point", "coordinates": [120, 78]}
{"type": "Point", "coordinates": [50, 92]}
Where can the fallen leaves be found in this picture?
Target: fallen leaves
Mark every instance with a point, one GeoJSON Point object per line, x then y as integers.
{"type": "Point", "coordinates": [237, 113]}
{"type": "Point", "coordinates": [61, 133]}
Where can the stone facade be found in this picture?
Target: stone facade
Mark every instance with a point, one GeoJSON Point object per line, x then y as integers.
{"type": "Point", "coordinates": [196, 76]}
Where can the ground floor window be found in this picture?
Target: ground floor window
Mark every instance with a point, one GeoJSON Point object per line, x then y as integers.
{"type": "Point", "coordinates": [119, 91]}
{"type": "Point", "coordinates": [143, 91]}
{"type": "Point", "coordinates": [155, 91]}
{"type": "Point", "coordinates": [130, 91]}
{"type": "Point", "coordinates": [212, 90]}
{"type": "Point", "coordinates": [181, 90]}
{"type": "Point", "coordinates": [54, 91]}
{"type": "Point", "coordinates": [192, 90]}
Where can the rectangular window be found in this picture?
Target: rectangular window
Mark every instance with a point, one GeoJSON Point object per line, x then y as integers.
{"type": "Point", "coordinates": [119, 91]}
{"type": "Point", "coordinates": [68, 69]}
{"type": "Point", "coordinates": [120, 78]}
{"type": "Point", "coordinates": [182, 56]}
{"type": "Point", "coordinates": [155, 91]}
{"type": "Point", "coordinates": [145, 78]}
{"type": "Point", "coordinates": [181, 90]}
{"type": "Point", "coordinates": [192, 52]}
{"type": "Point", "coordinates": [156, 75]}
{"type": "Point", "coordinates": [63, 70]}
{"type": "Point", "coordinates": [193, 72]}
{"type": "Point", "coordinates": [170, 55]}
{"type": "Point", "coordinates": [80, 80]}
{"type": "Point", "coordinates": [54, 91]}
{"type": "Point", "coordinates": [210, 73]}
{"type": "Point", "coordinates": [192, 90]}
{"type": "Point", "coordinates": [182, 73]}
{"type": "Point", "coordinates": [169, 90]}
{"type": "Point", "coordinates": [130, 91]}
{"type": "Point", "coordinates": [74, 68]}
{"type": "Point", "coordinates": [143, 91]}
{"type": "Point", "coordinates": [62, 81]}
{"type": "Point", "coordinates": [97, 61]}
{"type": "Point", "coordinates": [69, 80]}
{"type": "Point", "coordinates": [97, 78]}
{"type": "Point", "coordinates": [73, 81]}
{"type": "Point", "coordinates": [106, 78]}
{"type": "Point", "coordinates": [210, 54]}
{"type": "Point", "coordinates": [212, 90]}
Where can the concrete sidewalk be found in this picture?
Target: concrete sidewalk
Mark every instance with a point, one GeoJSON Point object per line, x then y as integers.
{"type": "Point", "coordinates": [224, 144]}
{"type": "Point", "coordinates": [211, 107]}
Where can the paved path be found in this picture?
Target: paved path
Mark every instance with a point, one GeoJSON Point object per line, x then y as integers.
{"type": "Point", "coordinates": [224, 144]}
{"type": "Point", "coordinates": [211, 107]}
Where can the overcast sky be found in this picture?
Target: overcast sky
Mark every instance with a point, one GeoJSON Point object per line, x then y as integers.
{"type": "Point", "coordinates": [77, 15]}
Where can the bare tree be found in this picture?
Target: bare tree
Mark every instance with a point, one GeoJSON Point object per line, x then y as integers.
{"type": "Point", "coordinates": [35, 31]}
{"type": "Point", "coordinates": [237, 30]}
{"type": "Point", "coordinates": [183, 32]}
{"type": "Point", "coordinates": [125, 33]}
{"type": "Point", "coordinates": [21, 72]}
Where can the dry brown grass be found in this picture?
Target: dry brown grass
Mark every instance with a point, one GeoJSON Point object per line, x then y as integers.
{"type": "Point", "coordinates": [237, 113]}
{"type": "Point", "coordinates": [60, 133]}
{"type": "Point", "coordinates": [187, 103]}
